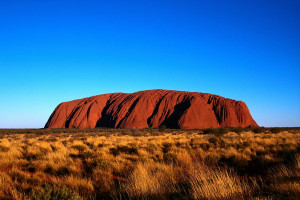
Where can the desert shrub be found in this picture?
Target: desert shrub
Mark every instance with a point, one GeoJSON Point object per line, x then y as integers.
{"type": "Point", "coordinates": [45, 148]}
{"type": "Point", "coordinates": [240, 161]}
{"type": "Point", "coordinates": [237, 130]}
{"type": "Point", "coordinates": [169, 157]}
{"type": "Point", "coordinates": [167, 146]}
{"type": "Point", "coordinates": [217, 141]}
{"type": "Point", "coordinates": [90, 144]}
{"type": "Point", "coordinates": [130, 150]}
{"type": "Point", "coordinates": [33, 154]}
{"type": "Point", "coordinates": [239, 146]}
{"type": "Point", "coordinates": [275, 130]}
{"type": "Point", "coordinates": [54, 193]}
{"type": "Point", "coordinates": [218, 131]}
{"type": "Point", "coordinates": [63, 171]}
{"type": "Point", "coordinates": [222, 131]}
{"type": "Point", "coordinates": [214, 140]}
{"type": "Point", "coordinates": [100, 145]}
{"type": "Point", "coordinates": [52, 139]}
{"type": "Point", "coordinates": [136, 133]}
{"type": "Point", "coordinates": [151, 148]}
{"type": "Point", "coordinates": [53, 147]}
{"type": "Point", "coordinates": [88, 154]}
{"type": "Point", "coordinates": [151, 131]}
{"type": "Point", "coordinates": [246, 144]}
{"type": "Point", "coordinates": [259, 130]}
{"type": "Point", "coordinates": [19, 176]}
{"type": "Point", "coordinates": [208, 131]}
{"type": "Point", "coordinates": [101, 163]}
{"type": "Point", "coordinates": [179, 144]}
{"type": "Point", "coordinates": [79, 147]}
{"type": "Point", "coordinates": [30, 167]}
{"type": "Point", "coordinates": [124, 149]}
{"type": "Point", "coordinates": [162, 128]}
{"type": "Point", "coordinates": [194, 143]}
{"type": "Point", "coordinates": [102, 181]}
{"type": "Point", "coordinates": [49, 169]}
{"type": "Point", "coordinates": [212, 158]}
{"type": "Point", "coordinates": [206, 146]}
{"type": "Point", "coordinates": [64, 142]}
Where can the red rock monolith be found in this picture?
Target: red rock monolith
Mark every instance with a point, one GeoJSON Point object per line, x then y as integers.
{"type": "Point", "coordinates": [152, 108]}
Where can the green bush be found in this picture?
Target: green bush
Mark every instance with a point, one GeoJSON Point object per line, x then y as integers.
{"type": "Point", "coordinates": [54, 193]}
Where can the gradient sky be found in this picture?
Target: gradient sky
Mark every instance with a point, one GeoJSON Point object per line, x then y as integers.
{"type": "Point", "coordinates": [55, 51]}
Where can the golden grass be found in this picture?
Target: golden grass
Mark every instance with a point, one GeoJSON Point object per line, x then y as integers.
{"type": "Point", "coordinates": [174, 164]}
{"type": "Point", "coordinates": [150, 180]}
{"type": "Point", "coordinates": [217, 184]}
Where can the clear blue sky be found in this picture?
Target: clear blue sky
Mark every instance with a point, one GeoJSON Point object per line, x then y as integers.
{"type": "Point", "coordinates": [55, 50]}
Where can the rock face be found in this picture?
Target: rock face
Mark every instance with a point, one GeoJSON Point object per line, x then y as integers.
{"type": "Point", "coordinates": [152, 108]}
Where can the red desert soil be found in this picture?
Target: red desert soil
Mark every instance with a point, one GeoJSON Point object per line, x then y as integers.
{"type": "Point", "coordinates": [152, 108]}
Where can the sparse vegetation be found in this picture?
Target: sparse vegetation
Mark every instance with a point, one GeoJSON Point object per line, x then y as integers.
{"type": "Point", "coordinates": [162, 128]}
{"type": "Point", "coordinates": [226, 163]}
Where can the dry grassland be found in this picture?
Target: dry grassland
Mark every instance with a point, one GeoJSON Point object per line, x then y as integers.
{"type": "Point", "coordinates": [149, 164]}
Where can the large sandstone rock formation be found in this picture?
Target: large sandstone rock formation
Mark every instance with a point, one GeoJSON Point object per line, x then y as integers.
{"type": "Point", "coordinates": [152, 108]}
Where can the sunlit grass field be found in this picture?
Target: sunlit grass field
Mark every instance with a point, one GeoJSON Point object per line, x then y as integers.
{"type": "Point", "coordinates": [150, 164]}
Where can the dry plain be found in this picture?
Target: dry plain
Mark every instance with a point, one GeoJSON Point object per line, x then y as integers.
{"type": "Point", "coordinates": [226, 163]}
